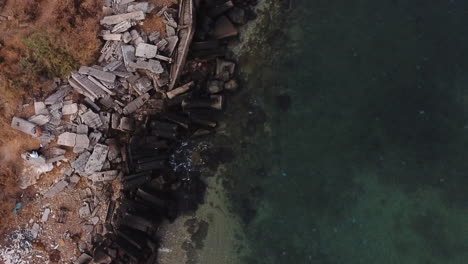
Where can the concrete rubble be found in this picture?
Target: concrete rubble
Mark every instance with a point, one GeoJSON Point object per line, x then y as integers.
{"type": "Point", "coordinates": [136, 105]}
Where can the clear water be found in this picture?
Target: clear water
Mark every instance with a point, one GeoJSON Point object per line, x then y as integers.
{"type": "Point", "coordinates": [368, 161]}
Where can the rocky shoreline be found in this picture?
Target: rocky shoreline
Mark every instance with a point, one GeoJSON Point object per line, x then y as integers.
{"type": "Point", "coordinates": [119, 143]}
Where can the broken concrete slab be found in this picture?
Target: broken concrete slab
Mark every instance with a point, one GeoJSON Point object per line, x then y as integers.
{"type": "Point", "coordinates": [62, 91]}
{"type": "Point", "coordinates": [136, 104]}
{"type": "Point", "coordinates": [97, 158]}
{"type": "Point", "coordinates": [122, 27]}
{"type": "Point", "coordinates": [70, 109]}
{"type": "Point", "coordinates": [56, 188]}
{"type": "Point", "coordinates": [153, 66]}
{"type": "Point", "coordinates": [180, 90]}
{"type": "Point", "coordinates": [143, 85]}
{"type": "Point", "coordinates": [171, 44]}
{"type": "Point", "coordinates": [35, 230]}
{"type": "Point", "coordinates": [104, 176]}
{"type": "Point", "coordinates": [40, 108]}
{"type": "Point", "coordinates": [98, 74]}
{"type": "Point", "coordinates": [128, 54]}
{"type": "Point", "coordinates": [141, 6]}
{"type": "Point", "coordinates": [116, 37]}
{"type": "Point", "coordinates": [85, 210]}
{"type": "Point", "coordinates": [40, 120]}
{"type": "Point", "coordinates": [82, 129]}
{"type": "Point", "coordinates": [147, 51]}
{"type": "Point", "coordinates": [45, 215]}
{"type": "Point", "coordinates": [114, 150]}
{"type": "Point", "coordinates": [94, 138]}
{"type": "Point", "coordinates": [127, 124]}
{"type": "Point", "coordinates": [115, 19]}
{"type": "Point", "coordinates": [67, 139]}
{"type": "Point", "coordinates": [91, 119]}
{"type": "Point", "coordinates": [80, 163]}
{"type": "Point", "coordinates": [82, 143]}
{"type": "Point", "coordinates": [225, 69]}
{"type": "Point", "coordinates": [25, 126]}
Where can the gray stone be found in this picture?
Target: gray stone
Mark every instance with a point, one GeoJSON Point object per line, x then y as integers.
{"type": "Point", "coordinates": [97, 159]}
{"type": "Point", "coordinates": [128, 54]}
{"type": "Point", "coordinates": [85, 210]}
{"type": "Point", "coordinates": [56, 188]}
{"type": "Point", "coordinates": [40, 120]}
{"type": "Point", "coordinates": [136, 104]}
{"type": "Point", "coordinates": [114, 150]}
{"type": "Point", "coordinates": [146, 50]}
{"type": "Point", "coordinates": [153, 66]}
{"type": "Point", "coordinates": [115, 19]}
{"type": "Point", "coordinates": [126, 38]}
{"type": "Point", "coordinates": [142, 6]}
{"type": "Point", "coordinates": [121, 27]}
{"type": "Point", "coordinates": [80, 163]}
{"type": "Point", "coordinates": [40, 108]}
{"type": "Point", "coordinates": [105, 119]}
{"type": "Point", "coordinates": [109, 175]}
{"type": "Point", "coordinates": [91, 119]}
{"type": "Point", "coordinates": [171, 44]}
{"type": "Point", "coordinates": [126, 124]}
{"type": "Point", "coordinates": [45, 215]}
{"type": "Point", "coordinates": [62, 91]}
{"type": "Point", "coordinates": [224, 28]}
{"type": "Point", "coordinates": [70, 109]}
{"type": "Point", "coordinates": [115, 121]}
{"type": "Point", "coordinates": [67, 139]}
{"type": "Point", "coordinates": [75, 179]}
{"type": "Point", "coordinates": [180, 90]}
{"type": "Point", "coordinates": [95, 220]}
{"type": "Point", "coordinates": [98, 74]}
{"type": "Point", "coordinates": [25, 126]}
{"type": "Point", "coordinates": [82, 143]}
{"type": "Point", "coordinates": [82, 129]}
{"type": "Point", "coordinates": [115, 37]}
{"type": "Point", "coordinates": [94, 138]}
{"type": "Point", "coordinates": [143, 85]}
{"type": "Point", "coordinates": [35, 230]}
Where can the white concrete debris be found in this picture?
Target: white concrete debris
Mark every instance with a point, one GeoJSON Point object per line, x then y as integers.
{"type": "Point", "coordinates": [25, 126]}
{"type": "Point", "coordinates": [70, 109]}
{"type": "Point", "coordinates": [98, 74]}
{"type": "Point", "coordinates": [35, 230]}
{"type": "Point", "coordinates": [180, 90]}
{"type": "Point", "coordinates": [97, 159]}
{"type": "Point", "coordinates": [56, 188]}
{"type": "Point", "coordinates": [40, 108]}
{"type": "Point", "coordinates": [136, 104]}
{"type": "Point", "coordinates": [91, 119]}
{"type": "Point", "coordinates": [146, 50]}
{"type": "Point", "coordinates": [115, 19]}
{"type": "Point", "coordinates": [45, 215]}
{"type": "Point", "coordinates": [67, 139]}
{"type": "Point", "coordinates": [116, 37]}
{"type": "Point", "coordinates": [85, 210]}
{"type": "Point", "coordinates": [104, 176]}
{"type": "Point", "coordinates": [81, 144]}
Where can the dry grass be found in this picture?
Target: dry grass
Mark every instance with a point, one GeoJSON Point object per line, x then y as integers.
{"type": "Point", "coordinates": [45, 38]}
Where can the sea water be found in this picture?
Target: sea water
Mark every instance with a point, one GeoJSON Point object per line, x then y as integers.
{"type": "Point", "coordinates": [348, 142]}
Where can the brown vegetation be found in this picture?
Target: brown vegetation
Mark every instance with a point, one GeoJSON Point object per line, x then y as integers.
{"type": "Point", "coordinates": [44, 39]}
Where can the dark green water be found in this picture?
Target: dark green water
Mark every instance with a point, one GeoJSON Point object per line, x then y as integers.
{"type": "Point", "coordinates": [369, 162]}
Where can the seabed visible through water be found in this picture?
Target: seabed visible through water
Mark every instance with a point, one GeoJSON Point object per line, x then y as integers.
{"type": "Point", "coordinates": [349, 141]}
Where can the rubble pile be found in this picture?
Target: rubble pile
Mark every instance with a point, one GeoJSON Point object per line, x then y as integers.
{"type": "Point", "coordinates": [138, 104]}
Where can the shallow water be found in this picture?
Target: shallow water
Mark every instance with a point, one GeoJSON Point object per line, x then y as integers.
{"type": "Point", "coordinates": [349, 140]}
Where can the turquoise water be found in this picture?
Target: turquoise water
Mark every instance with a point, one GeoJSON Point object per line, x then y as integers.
{"type": "Point", "coordinates": [350, 136]}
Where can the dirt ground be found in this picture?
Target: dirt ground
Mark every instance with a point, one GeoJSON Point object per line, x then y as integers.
{"type": "Point", "coordinates": [68, 25]}
{"type": "Point", "coordinates": [39, 40]}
